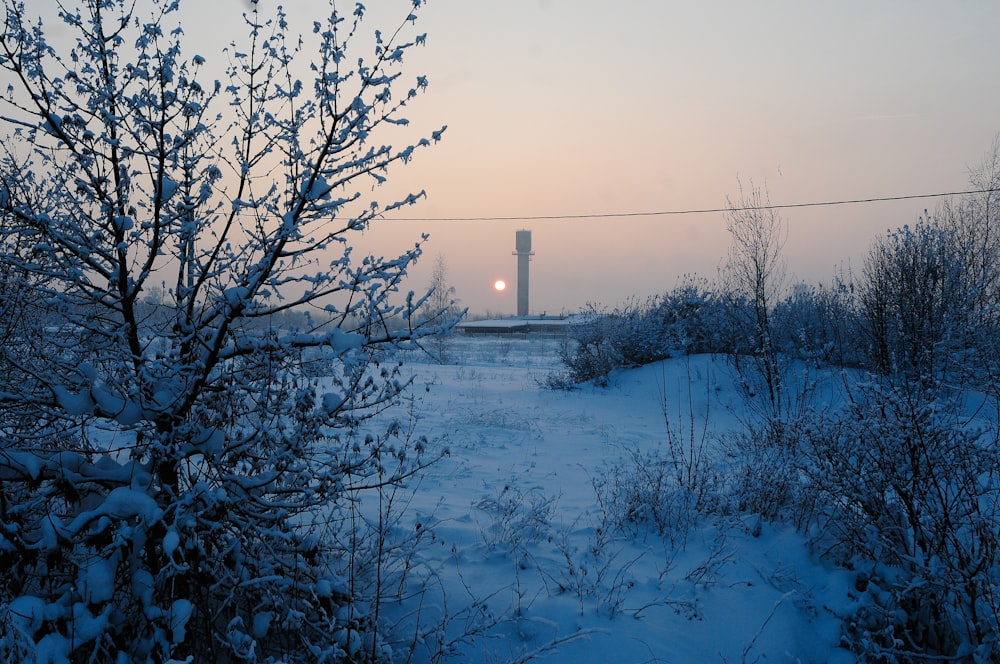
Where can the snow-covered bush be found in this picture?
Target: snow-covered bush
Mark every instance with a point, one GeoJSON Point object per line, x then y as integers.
{"type": "Point", "coordinates": [762, 477]}
{"type": "Point", "coordinates": [820, 324]}
{"type": "Point", "coordinates": [664, 489]}
{"type": "Point", "coordinates": [692, 318]}
{"type": "Point", "coordinates": [592, 350]}
{"type": "Point", "coordinates": [648, 491]}
{"type": "Point", "coordinates": [909, 494]}
{"type": "Point", "coordinates": [682, 321]}
{"type": "Point", "coordinates": [176, 481]}
{"type": "Point", "coordinates": [516, 517]}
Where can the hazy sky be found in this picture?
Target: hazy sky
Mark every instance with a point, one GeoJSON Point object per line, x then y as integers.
{"type": "Point", "coordinates": [594, 107]}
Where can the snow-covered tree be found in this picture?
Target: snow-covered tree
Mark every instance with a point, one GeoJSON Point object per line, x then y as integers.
{"type": "Point", "coordinates": [917, 301]}
{"type": "Point", "coordinates": [974, 222]}
{"type": "Point", "coordinates": [441, 308]}
{"type": "Point", "coordinates": [974, 219]}
{"type": "Point", "coordinates": [176, 472]}
{"type": "Point", "coordinates": [442, 293]}
{"type": "Point", "coordinates": [753, 277]}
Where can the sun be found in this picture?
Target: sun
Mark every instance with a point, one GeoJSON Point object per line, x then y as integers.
{"type": "Point", "coordinates": [499, 285]}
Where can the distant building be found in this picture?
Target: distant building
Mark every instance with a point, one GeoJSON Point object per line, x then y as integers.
{"type": "Point", "coordinates": [541, 325]}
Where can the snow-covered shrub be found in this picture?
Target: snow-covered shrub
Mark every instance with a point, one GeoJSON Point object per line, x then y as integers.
{"type": "Point", "coordinates": [682, 321]}
{"type": "Point", "coordinates": [176, 479]}
{"type": "Point", "coordinates": [667, 488]}
{"type": "Point", "coordinates": [820, 324]}
{"type": "Point", "coordinates": [591, 353]}
{"type": "Point", "coordinates": [909, 493]}
{"type": "Point", "coordinates": [516, 517]}
{"type": "Point", "coordinates": [692, 317]}
{"type": "Point", "coordinates": [762, 477]}
{"type": "Point", "coordinates": [647, 491]}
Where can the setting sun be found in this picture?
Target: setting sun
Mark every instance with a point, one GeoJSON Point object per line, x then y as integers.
{"type": "Point", "coordinates": [499, 285]}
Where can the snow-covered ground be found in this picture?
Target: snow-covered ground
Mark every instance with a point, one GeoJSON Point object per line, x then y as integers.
{"type": "Point", "coordinates": [525, 560]}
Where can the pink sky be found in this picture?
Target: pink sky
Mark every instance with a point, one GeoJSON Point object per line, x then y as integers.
{"type": "Point", "coordinates": [578, 106]}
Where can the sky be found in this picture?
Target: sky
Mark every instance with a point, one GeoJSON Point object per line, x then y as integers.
{"type": "Point", "coordinates": [568, 107]}
{"type": "Point", "coordinates": [578, 107]}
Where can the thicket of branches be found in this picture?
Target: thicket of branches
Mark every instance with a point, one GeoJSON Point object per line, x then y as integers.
{"type": "Point", "coordinates": [181, 458]}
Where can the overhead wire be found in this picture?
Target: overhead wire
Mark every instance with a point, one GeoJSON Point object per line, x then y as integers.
{"type": "Point", "coordinates": [661, 213]}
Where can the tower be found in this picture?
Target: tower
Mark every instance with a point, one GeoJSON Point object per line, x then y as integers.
{"type": "Point", "coordinates": [522, 249]}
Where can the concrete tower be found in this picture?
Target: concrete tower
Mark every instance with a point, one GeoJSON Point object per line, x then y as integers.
{"type": "Point", "coordinates": [522, 249]}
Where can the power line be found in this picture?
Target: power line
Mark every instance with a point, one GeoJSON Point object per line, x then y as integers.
{"type": "Point", "coordinates": [661, 213]}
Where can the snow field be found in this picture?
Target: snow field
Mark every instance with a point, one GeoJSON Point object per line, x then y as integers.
{"type": "Point", "coordinates": [523, 555]}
